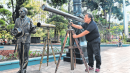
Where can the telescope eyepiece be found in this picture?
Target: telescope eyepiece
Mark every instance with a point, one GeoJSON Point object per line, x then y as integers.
{"type": "Point", "coordinates": [38, 24]}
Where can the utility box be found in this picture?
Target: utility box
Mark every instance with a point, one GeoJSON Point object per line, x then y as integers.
{"type": "Point", "coordinates": [35, 39]}
{"type": "Point", "coordinates": [67, 42]}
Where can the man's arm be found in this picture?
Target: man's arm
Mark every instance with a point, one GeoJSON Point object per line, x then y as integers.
{"type": "Point", "coordinates": [81, 34]}
{"type": "Point", "coordinates": [32, 27]}
{"type": "Point", "coordinates": [76, 26]}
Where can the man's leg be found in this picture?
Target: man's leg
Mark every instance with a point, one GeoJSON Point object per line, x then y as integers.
{"type": "Point", "coordinates": [90, 54]}
{"type": "Point", "coordinates": [19, 51]}
{"type": "Point", "coordinates": [96, 50]}
{"type": "Point", "coordinates": [26, 51]}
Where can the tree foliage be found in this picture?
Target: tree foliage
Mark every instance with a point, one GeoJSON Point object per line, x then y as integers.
{"type": "Point", "coordinates": [56, 19]}
{"type": "Point", "coordinates": [6, 22]}
{"type": "Point", "coordinates": [116, 29]}
{"type": "Point", "coordinates": [6, 15]}
{"type": "Point", "coordinates": [59, 21]}
{"type": "Point", "coordinates": [107, 6]}
{"type": "Point", "coordinates": [56, 3]}
{"type": "Point", "coordinates": [19, 4]}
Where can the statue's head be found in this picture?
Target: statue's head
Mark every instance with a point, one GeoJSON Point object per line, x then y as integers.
{"type": "Point", "coordinates": [23, 12]}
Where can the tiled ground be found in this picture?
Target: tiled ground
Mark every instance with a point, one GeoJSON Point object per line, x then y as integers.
{"type": "Point", "coordinates": [114, 60]}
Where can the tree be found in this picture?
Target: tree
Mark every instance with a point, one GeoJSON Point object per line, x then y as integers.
{"type": "Point", "coordinates": [15, 7]}
{"type": "Point", "coordinates": [6, 15]}
{"type": "Point", "coordinates": [2, 24]}
{"type": "Point", "coordinates": [6, 22]}
{"type": "Point", "coordinates": [18, 5]}
{"type": "Point", "coordinates": [2, 27]}
{"type": "Point", "coordinates": [33, 11]}
{"type": "Point", "coordinates": [37, 16]}
{"type": "Point", "coordinates": [58, 5]}
{"type": "Point", "coordinates": [108, 8]}
{"type": "Point", "coordinates": [59, 22]}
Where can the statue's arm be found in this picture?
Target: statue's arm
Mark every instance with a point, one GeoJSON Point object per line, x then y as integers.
{"type": "Point", "coordinates": [16, 23]}
{"type": "Point", "coordinates": [15, 26]}
{"type": "Point", "coordinates": [32, 27]}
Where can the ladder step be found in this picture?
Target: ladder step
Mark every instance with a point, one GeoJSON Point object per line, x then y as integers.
{"type": "Point", "coordinates": [71, 47]}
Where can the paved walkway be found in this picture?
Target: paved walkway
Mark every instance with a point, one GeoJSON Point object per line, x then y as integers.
{"type": "Point", "coordinates": [114, 60]}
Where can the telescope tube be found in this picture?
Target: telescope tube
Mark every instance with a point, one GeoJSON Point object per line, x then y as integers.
{"type": "Point", "coordinates": [45, 25]}
{"type": "Point", "coordinates": [50, 9]}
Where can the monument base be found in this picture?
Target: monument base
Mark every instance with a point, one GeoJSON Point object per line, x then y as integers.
{"type": "Point", "coordinates": [79, 59]}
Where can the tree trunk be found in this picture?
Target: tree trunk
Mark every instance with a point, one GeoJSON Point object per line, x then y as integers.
{"type": "Point", "coordinates": [55, 35]}
{"type": "Point", "coordinates": [105, 15]}
{"type": "Point", "coordinates": [58, 37]}
{"type": "Point", "coordinates": [108, 34]}
{"type": "Point", "coordinates": [109, 17]}
{"type": "Point", "coordinates": [18, 6]}
{"type": "Point", "coordinates": [13, 14]}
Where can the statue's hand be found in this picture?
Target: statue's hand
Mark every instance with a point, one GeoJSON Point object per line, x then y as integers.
{"type": "Point", "coordinates": [14, 32]}
{"type": "Point", "coordinates": [33, 30]}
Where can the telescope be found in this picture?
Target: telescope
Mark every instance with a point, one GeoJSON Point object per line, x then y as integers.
{"type": "Point", "coordinates": [45, 25]}
{"type": "Point", "coordinates": [50, 9]}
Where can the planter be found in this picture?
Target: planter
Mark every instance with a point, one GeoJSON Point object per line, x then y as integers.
{"type": "Point", "coordinates": [1, 46]}
{"type": "Point", "coordinates": [32, 61]}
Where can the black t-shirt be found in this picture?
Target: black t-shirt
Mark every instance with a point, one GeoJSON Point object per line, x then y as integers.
{"type": "Point", "coordinates": [93, 31]}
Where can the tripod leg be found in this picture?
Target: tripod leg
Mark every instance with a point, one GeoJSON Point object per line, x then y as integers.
{"type": "Point", "coordinates": [47, 52]}
{"type": "Point", "coordinates": [71, 51]}
{"type": "Point", "coordinates": [62, 48]}
{"type": "Point", "coordinates": [42, 54]}
{"type": "Point", "coordinates": [81, 53]}
{"type": "Point", "coordinates": [53, 52]}
{"type": "Point", "coordinates": [74, 59]}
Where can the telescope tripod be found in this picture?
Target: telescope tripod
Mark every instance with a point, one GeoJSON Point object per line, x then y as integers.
{"type": "Point", "coordinates": [71, 47]}
{"type": "Point", "coordinates": [47, 41]}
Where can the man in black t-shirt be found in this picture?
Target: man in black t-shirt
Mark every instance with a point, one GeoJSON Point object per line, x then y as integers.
{"type": "Point", "coordinates": [92, 36]}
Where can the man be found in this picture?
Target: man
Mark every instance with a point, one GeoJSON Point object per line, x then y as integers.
{"type": "Point", "coordinates": [92, 36]}
{"type": "Point", "coordinates": [22, 31]}
{"type": "Point", "coordinates": [120, 43]}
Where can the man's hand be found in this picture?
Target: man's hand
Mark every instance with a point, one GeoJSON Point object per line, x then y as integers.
{"type": "Point", "coordinates": [75, 36]}
{"type": "Point", "coordinates": [70, 23]}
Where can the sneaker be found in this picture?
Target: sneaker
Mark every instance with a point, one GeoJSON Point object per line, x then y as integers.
{"type": "Point", "coordinates": [97, 70]}
{"type": "Point", "coordinates": [90, 68]}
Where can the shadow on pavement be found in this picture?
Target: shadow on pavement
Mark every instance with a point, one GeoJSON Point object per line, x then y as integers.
{"type": "Point", "coordinates": [34, 71]}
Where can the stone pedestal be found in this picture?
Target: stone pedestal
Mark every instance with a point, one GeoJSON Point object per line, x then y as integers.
{"type": "Point", "coordinates": [79, 59]}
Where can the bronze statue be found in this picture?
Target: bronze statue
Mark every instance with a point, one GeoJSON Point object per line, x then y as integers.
{"type": "Point", "coordinates": [22, 32]}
